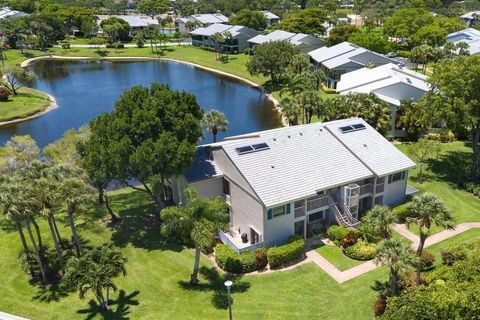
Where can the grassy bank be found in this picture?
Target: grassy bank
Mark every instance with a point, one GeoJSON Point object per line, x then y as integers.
{"type": "Point", "coordinates": [26, 103]}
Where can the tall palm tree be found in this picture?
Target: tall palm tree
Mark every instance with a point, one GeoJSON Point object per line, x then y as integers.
{"type": "Point", "coordinates": [381, 217]}
{"type": "Point", "coordinates": [196, 222]}
{"type": "Point", "coordinates": [293, 83]}
{"type": "Point", "coordinates": [424, 210]}
{"type": "Point", "coordinates": [397, 257]}
{"type": "Point", "coordinates": [214, 121]}
{"type": "Point", "coordinates": [291, 109]}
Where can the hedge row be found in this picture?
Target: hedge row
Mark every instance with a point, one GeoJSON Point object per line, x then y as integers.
{"type": "Point", "coordinates": [288, 252]}
{"type": "Point", "coordinates": [230, 261]}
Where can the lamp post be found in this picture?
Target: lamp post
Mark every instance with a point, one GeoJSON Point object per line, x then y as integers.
{"type": "Point", "coordinates": [229, 284]}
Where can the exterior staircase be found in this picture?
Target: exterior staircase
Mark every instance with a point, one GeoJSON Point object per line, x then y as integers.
{"type": "Point", "coordinates": [344, 217]}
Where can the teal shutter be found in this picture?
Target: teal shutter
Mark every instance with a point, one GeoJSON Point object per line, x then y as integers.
{"type": "Point", "coordinates": [288, 208]}
{"type": "Point", "coordinates": [389, 179]}
{"type": "Point", "coordinates": [269, 214]}
{"type": "Point", "coordinates": [404, 173]}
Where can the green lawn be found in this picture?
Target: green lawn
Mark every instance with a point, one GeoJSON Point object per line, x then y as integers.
{"type": "Point", "coordinates": [26, 103]}
{"type": "Point", "coordinates": [460, 238]}
{"type": "Point", "coordinates": [154, 287]}
{"type": "Point", "coordinates": [442, 176]}
{"type": "Point", "coordinates": [335, 256]}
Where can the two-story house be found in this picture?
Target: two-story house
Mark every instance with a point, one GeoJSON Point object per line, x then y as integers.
{"type": "Point", "coordinates": [279, 182]}
{"type": "Point", "coordinates": [303, 42]}
{"type": "Point", "coordinates": [236, 42]}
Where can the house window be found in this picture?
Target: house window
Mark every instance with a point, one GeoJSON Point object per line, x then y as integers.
{"type": "Point", "coordinates": [278, 211]}
{"type": "Point", "coordinates": [226, 186]}
{"type": "Point", "coordinates": [316, 217]}
{"type": "Point", "coordinates": [397, 177]}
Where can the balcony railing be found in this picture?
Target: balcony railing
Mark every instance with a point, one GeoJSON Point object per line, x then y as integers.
{"type": "Point", "coordinates": [365, 189]}
{"type": "Point", "coordinates": [238, 247]}
{"type": "Point", "coordinates": [380, 188]}
{"type": "Point", "coordinates": [299, 211]}
{"type": "Point", "coordinates": [316, 203]}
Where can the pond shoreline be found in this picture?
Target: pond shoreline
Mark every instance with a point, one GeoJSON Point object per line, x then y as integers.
{"type": "Point", "coordinates": [51, 106]}
{"type": "Point", "coordinates": [253, 84]}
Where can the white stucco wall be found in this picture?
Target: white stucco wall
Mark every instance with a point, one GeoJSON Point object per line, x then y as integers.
{"type": "Point", "coordinates": [278, 229]}
{"type": "Point", "coordinates": [394, 193]}
{"type": "Point", "coordinates": [210, 188]}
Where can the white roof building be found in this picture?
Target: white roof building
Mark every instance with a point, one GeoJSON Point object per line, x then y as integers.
{"type": "Point", "coordinates": [470, 35]}
{"type": "Point", "coordinates": [134, 21]}
{"type": "Point", "coordinates": [6, 12]}
{"type": "Point", "coordinates": [272, 19]}
{"type": "Point", "coordinates": [303, 41]}
{"type": "Point", "coordinates": [209, 18]}
{"type": "Point", "coordinates": [389, 82]}
{"type": "Point", "coordinates": [471, 18]}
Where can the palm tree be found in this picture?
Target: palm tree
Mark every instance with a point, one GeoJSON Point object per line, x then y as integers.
{"type": "Point", "coordinates": [397, 257]}
{"type": "Point", "coordinates": [293, 83]}
{"type": "Point", "coordinates": [93, 272]}
{"type": "Point", "coordinates": [291, 109]}
{"type": "Point", "coordinates": [214, 121]}
{"type": "Point", "coordinates": [381, 217]}
{"type": "Point", "coordinates": [424, 210]}
{"type": "Point", "coordinates": [196, 222]}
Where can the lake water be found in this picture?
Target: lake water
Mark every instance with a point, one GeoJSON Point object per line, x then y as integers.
{"type": "Point", "coordinates": [85, 89]}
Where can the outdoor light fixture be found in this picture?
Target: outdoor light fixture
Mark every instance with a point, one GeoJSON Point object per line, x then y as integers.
{"type": "Point", "coordinates": [229, 284]}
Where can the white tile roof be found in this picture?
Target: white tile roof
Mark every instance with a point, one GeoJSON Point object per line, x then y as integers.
{"type": "Point", "coordinates": [369, 80]}
{"type": "Point", "coordinates": [340, 54]}
{"type": "Point", "coordinates": [302, 160]}
{"type": "Point", "coordinates": [208, 18]}
{"type": "Point", "coordinates": [469, 15]}
{"type": "Point", "coordinates": [133, 21]}
{"type": "Point", "coordinates": [270, 15]}
{"type": "Point", "coordinates": [6, 12]}
{"type": "Point", "coordinates": [470, 36]}
{"type": "Point", "coordinates": [278, 35]}
{"type": "Point", "coordinates": [211, 29]}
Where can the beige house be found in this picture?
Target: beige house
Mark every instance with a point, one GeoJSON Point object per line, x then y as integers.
{"type": "Point", "coordinates": [280, 182]}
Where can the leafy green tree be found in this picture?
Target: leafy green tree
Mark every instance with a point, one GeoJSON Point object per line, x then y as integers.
{"type": "Point", "coordinates": [380, 218]}
{"type": "Point", "coordinates": [406, 22]}
{"type": "Point", "coordinates": [13, 30]}
{"type": "Point", "coordinates": [214, 121]}
{"type": "Point", "coordinates": [397, 257]}
{"type": "Point", "coordinates": [139, 40]}
{"type": "Point", "coordinates": [424, 210]}
{"type": "Point", "coordinates": [372, 40]}
{"type": "Point", "coordinates": [13, 77]}
{"type": "Point", "coordinates": [367, 106]}
{"type": "Point", "coordinates": [148, 138]}
{"type": "Point", "coordinates": [341, 33]}
{"type": "Point", "coordinates": [291, 110]}
{"type": "Point", "coordinates": [421, 152]}
{"type": "Point", "coordinates": [152, 33]}
{"type": "Point", "coordinates": [152, 8]}
{"type": "Point", "coordinates": [414, 117]}
{"type": "Point", "coordinates": [249, 18]}
{"type": "Point", "coordinates": [196, 222]}
{"type": "Point", "coordinates": [64, 150]}
{"type": "Point", "coordinates": [46, 28]}
{"type": "Point", "coordinates": [18, 152]}
{"type": "Point", "coordinates": [432, 35]}
{"type": "Point", "coordinates": [455, 94]}
{"type": "Point", "coordinates": [116, 29]}
{"type": "Point", "coordinates": [271, 59]}
{"type": "Point", "coordinates": [95, 272]}
{"type": "Point", "coordinates": [309, 21]}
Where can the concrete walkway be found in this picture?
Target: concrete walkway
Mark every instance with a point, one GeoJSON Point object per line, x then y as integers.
{"type": "Point", "coordinates": [342, 276]}
{"type": "Point", "coordinates": [6, 316]}
{"type": "Point", "coordinates": [128, 45]}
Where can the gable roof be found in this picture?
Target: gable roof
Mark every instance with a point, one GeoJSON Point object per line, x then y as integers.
{"type": "Point", "coordinates": [302, 160]}
{"type": "Point", "coordinates": [270, 15]}
{"type": "Point", "coordinates": [221, 28]}
{"type": "Point", "coordinates": [470, 35]}
{"type": "Point", "coordinates": [6, 12]}
{"type": "Point", "coordinates": [470, 15]}
{"type": "Point", "coordinates": [343, 53]}
{"type": "Point", "coordinates": [368, 80]}
{"type": "Point", "coordinates": [209, 18]}
{"type": "Point", "coordinates": [278, 35]}
{"type": "Point", "coordinates": [133, 21]}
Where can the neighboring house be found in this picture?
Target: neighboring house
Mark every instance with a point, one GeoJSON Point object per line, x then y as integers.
{"type": "Point", "coordinates": [470, 36]}
{"type": "Point", "coordinates": [280, 182]}
{"type": "Point", "coordinates": [303, 42]}
{"type": "Point", "coordinates": [471, 18]}
{"type": "Point", "coordinates": [6, 12]}
{"type": "Point", "coordinates": [343, 58]}
{"type": "Point", "coordinates": [137, 23]}
{"type": "Point", "coordinates": [391, 83]}
{"type": "Point", "coordinates": [235, 44]}
{"type": "Point", "coordinates": [272, 19]}
{"type": "Point", "coordinates": [199, 20]}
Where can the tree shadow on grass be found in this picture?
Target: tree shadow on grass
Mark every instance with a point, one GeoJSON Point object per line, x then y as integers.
{"type": "Point", "coordinates": [215, 283]}
{"type": "Point", "coordinates": [53, 293]}
{"type": "Point", "coordinates": [452, 167]}
{"type": "Point", "coordinates": [118, 310]}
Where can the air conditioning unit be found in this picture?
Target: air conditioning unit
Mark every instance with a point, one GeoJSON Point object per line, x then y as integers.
{"type": "Point", "coordinates": [350, 195]}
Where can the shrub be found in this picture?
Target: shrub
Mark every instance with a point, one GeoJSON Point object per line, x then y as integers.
{"type": "Point", "coordinates": [361, 251]}
{"type": "Point", "coordinates": [315, 230]}
{"type": "Point", "coordinates": [4, 94]}
{"type": "Point", "coordinates": [433, 136]}
{"type": "Point", "coordinates": [230, 261]}
{"type": "Point", "coordinates": [447, 136]}
{"type": "Point", "coordinates": [288, 252]}
{"type": "Point", "coordinates": [408, 280]}
{"type": "Point", "coordinates": [350, 239]}
{"type": "Point", "coordinates": [473, 188]}
{"type": "Point", "coordinates": [328, 90]}
{"type": "Point", "coordinates": [337, 233]}
{"type": "Point", "coordinates": [261, 259]}
{"type": "Point", "coordinates": [454, 253]}
{"type": "Point", "coordinates": [380, 305]}
{"type": "Point", "coordinates": [404, 53]}
{"type": "Point", "coordinates": [427, 260]}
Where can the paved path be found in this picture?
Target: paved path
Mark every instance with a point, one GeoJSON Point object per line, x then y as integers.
{"type": "Point", "coordinates": [127, 45]}
{"type": "Point", "coordinates": [342, 276]}
{"type": "Point", "coordinates": [6, 316]}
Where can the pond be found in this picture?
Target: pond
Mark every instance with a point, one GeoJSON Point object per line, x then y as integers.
{"type": "Point", "coordinates": [85, 89]}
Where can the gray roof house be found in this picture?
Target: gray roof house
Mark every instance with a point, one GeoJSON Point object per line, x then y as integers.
{"type": "Point", "coordinates": [200, 20]}
{"type": "Point", "coordinates": [390, 82]}
{"type": "Point", "coordinates": [272, 19]}
{"type": "Point", "coordinates": [303, 42]}
{"type": "Point", "coordinates": [202, 37]}
{"type": "Point", "coordinates": [470, 35]}
{"type": "Point", "coordinates": [343, 58]}
{"type": "Point", "coordinates": [471, 18]}
{"type": "Point", "coordinates": [282, 181]}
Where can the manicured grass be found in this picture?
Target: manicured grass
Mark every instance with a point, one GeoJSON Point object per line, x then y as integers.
{"type": "Point", "coordinates": [154, 287]}
{"type": "Point", "coordinates": [335, 256]}
{"type": "Point", "coordinates": [26, 103]}
{"type": "Point", "coordinates": [442, 175]}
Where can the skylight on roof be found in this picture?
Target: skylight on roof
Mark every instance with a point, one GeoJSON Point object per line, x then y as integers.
{"type": "Point", "coordinates": [252, 148]}
{"type": "Point", "coordinates": [353, 127]}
